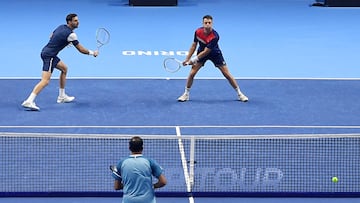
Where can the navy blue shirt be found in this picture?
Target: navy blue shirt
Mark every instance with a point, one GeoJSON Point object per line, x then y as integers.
{"type": "Point", "coordinates": [61, 37]}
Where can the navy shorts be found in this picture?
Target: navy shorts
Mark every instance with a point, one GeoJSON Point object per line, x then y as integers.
{"type": "Point", "coordinates": [49, 63]}
{"type": "Point", "coordinates": [217, 59]}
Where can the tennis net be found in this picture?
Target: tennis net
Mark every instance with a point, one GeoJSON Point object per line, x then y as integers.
{"type": "Point", "coordinates": [38, 164]}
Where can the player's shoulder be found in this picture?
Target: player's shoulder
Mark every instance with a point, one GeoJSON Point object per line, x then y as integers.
{"type": "Point", "coordinates": [215, 32]}
{"type": "Point", "coordinates": [146, 158]}
{"type": "Point", "coordinates": [64, 29]}
{"type": "Point", "coordinates": [199, 30]}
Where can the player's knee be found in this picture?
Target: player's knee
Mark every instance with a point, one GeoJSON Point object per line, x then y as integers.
{"type": "Point", "coordinates": [45, 82]}
{"type": "Point", "coordinates": [64, 70]}
{"type": "Point", "coordinates": [62, 67]}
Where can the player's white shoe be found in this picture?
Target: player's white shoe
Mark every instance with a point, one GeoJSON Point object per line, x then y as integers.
{"type": "Point", "coordinates": [184, 97]}
{"type": "Point", "coordinates": [243, 98]}
{"type": "Point", "coordinates": [30, 106]}
{"type": "Point", "coordinates": [65, 99]}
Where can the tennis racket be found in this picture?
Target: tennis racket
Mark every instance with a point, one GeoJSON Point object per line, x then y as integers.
{"type": "Point", "coordinates": [115, 171]}
{"type": "Point", "coordinates": [102, 37]}
{"type": "Point", "coordinates": [172, 65]}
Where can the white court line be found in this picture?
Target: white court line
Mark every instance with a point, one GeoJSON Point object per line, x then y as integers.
{"type": "Point", "coordinates": [184, 164]}
{"type": "Point", "coordinates": [200, 78]}
{"type": "Point", "coordinates": [200, 126]}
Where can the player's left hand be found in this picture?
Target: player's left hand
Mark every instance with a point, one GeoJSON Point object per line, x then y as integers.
{"type": "Point", "coordinates": [186, 62]}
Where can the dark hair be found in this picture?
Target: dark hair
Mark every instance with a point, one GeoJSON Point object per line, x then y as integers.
{"type": "Point", "coordinates": [208, 17]}
{"type": "Point", "coordinates": [136, 144]}
{"type": "Point", "coordinates": [70, 17]}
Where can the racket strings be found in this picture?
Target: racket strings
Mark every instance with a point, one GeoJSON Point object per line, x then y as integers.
{"type": "Point", "coordinates": [102, 36]}
{"type": "Point", "coordinates": [172, 65]}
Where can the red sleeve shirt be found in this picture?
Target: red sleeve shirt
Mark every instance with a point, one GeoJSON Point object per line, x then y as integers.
{"type": "Point", "coordinates": [207, 40]}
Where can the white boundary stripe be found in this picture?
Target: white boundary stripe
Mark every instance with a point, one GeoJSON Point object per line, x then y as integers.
{"type": "Point", "coordinates": [184, 164]}
{"type": "Point", "coordinates": [187, 137]}
{"type": "Point", "coordinates": [201, 78]}
{"type": "Point", "coordinates": [200, 126]}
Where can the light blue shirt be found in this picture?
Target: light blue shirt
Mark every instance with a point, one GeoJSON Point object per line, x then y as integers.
{"type": "Point", "coordinates": [137, 174]}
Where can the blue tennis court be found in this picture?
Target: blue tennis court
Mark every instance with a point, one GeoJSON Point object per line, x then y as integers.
{"type": "Point", "coordinates": [297, 64]}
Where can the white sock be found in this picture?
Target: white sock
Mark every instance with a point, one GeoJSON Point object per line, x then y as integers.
{"type": "Point", "coordinates": [61, 92]}
{"type": "Point", "coordinates": [238, 91]}
{"type": "Point", "coordinates": [31, 97]}
{"type": "Point", "coordinates": [187, 90]}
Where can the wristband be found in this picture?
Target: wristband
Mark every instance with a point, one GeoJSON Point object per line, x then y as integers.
{"type": "Point", "coordinates": [91, 52]}
{"type": "Point", "coordinates": [194, 59]}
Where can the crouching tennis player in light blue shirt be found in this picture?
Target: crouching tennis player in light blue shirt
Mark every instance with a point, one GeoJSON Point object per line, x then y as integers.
{"type": "Point", "coordinates": [137, 174]}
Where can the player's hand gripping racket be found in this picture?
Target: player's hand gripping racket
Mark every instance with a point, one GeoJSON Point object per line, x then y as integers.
{"type": "Point", "coordinates": [172, 65]}
{"type": "Point", "coordinates": [115, 171]}
{"type": "Point", "coordinates": [102, 37]}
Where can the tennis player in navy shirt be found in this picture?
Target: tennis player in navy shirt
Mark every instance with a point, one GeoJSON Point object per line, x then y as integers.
{"type": "Point", "coordinates": [61, 37]}
{"type": "Point", "coordinates": [207, 38]}
{"type": "Point", "coordinates": [137, 174]}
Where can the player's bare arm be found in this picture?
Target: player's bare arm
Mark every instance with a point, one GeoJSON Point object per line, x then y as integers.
{"type": "Point", "coordinates": [191, 52]}
{"type": "Point", "coordinates": [83, 50]}
{"type": "Point", "coordinates": [204, 53]}
{"type": "Point", "coordinates": [118, 185]}
{"type": "Point", "coordinates": [161, 182]}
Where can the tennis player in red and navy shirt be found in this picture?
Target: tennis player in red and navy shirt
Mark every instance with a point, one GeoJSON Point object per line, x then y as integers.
{"type": "Point", "coordinates": [208, 39]}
